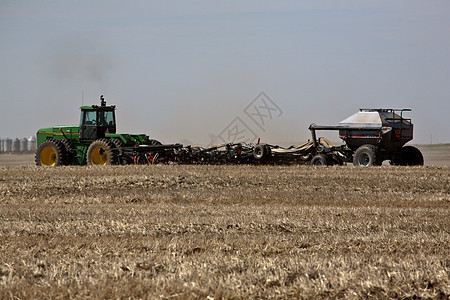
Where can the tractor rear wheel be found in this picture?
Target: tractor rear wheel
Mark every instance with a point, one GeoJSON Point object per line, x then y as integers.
{"type": "Point", "coordinates": [411, 156]}
{"type": "Point", "coordinates": [101, 152]}
{"type": "Point", "coordinates": [51, 152]}
{"type": "Point", "coordinates": [118, 143]}
{"type": "Point", "coordinates": [320, 160]}
{"type": "Point", "coordinates": [365, 156]}
{"type": "Point", "coordinates": [121, 158]}
{"type": "Point", "coordinates": [68, 157]}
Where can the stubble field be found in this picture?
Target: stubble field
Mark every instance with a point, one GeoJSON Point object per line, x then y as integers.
{"type": "Point", "coordinates": [181, 232]}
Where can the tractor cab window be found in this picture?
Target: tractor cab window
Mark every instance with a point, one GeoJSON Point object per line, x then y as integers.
{"type": "Point", "coordinates": [89, 117]}
{"type": "Point", "coordinates": [106, 118]}
{"type": "Point", "coordinates": [96, 123]}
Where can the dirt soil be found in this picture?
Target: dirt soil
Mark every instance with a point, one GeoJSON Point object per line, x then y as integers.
{"type": "Point", "coordinates": [221, 232]}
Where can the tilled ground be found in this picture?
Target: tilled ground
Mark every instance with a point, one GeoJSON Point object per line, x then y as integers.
{"type": "Point", "coordinates": [224, 232]}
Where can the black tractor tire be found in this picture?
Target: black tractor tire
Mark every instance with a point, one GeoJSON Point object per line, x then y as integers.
{"type": "Point", "coordinates": [320, 160]}
{"type": "Point", "coordinates": [411, 156]}
{"type": "Point", "coordinates": [259, 152]}
{"type": "Point", "coordinates": [117, 143]}
{"type": "Point", "coordinates": [365, 156]}
{"type": "Point", "coordinates": [50, 153]}
{"type": "Point", "coordinates": [121, 159]}
{"type": "Point", "coordinates": [154, 142]}
{"type": "Point", "coordinates": [101, 152]}
{"type": "Point", "coordinates": [68, 158]}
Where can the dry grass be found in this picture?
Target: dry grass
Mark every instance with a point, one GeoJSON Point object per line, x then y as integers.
{"type": "Point", "coordinates": [177, 232]}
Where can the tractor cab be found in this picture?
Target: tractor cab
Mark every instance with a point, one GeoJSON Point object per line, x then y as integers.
{"type": "Point", "coordinates": [96, 121]}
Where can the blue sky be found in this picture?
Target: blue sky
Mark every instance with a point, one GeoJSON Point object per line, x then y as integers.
{"type": "Point", "coordinates": [181, 71]}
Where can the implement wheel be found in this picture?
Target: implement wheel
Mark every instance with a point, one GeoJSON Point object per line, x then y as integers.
{"type": "Point", "coordinates": [50, 153]}
{"type": "Point", "coordinates": [411, 156]}
{"type": "Point", "coordinates": [365, 156]}
{"type": "Point", "coordinates": [320, 160]}
{"type": "Point", "coordinates": [259, 152]}
{"type": "Point", "coordinates": [102, 152]}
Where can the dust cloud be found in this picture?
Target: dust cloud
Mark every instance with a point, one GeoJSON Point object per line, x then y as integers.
{"type": "Point", "coordinates": [80, 59]}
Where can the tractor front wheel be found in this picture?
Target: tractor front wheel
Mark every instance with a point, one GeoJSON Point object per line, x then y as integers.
{"type": "Point", "coordinates": [50, 153]}
{"type": "Point", "coordinates": [102, 152]}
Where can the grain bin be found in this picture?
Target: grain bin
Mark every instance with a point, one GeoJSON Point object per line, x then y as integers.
{"type": "Point", "coordinates": [16, 145]}
{"type": "Point", "coordinates": [31, 144]}
{"type": "Point", "coordinates": [7, 147]}
{"type": "Point", "coordinates": [23, 145]}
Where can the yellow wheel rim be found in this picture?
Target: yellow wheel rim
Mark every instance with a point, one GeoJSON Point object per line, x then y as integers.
{"type": "Point", "coordinates": [99, 157]}
{"type": "Point", "coordinates": [48, 156]}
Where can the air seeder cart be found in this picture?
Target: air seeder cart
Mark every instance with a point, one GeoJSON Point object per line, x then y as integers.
{"type": "Point", "coordinates": [371, 136]}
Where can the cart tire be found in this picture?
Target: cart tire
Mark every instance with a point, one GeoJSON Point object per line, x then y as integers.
{"type": "Point", "coordinates": [320, 160]}
{"type": "Point", "coordinates": [365, 156]}
{"type": "Point", "coordinates": [411, 156]}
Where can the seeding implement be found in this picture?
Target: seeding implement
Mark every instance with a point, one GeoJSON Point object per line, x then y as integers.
{"type": "Point", "coordinates": [370, 136]}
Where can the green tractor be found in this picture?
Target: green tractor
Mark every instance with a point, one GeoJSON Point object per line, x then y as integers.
{"type": "Point", "coordinates": [94, 141]}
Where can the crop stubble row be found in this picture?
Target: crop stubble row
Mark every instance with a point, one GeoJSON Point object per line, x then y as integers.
{"type": "Point", "coordinates": [224, 231]}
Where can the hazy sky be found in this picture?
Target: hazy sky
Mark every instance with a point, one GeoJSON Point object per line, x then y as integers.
{"type": "Point", "coordinates": [187, 70]}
